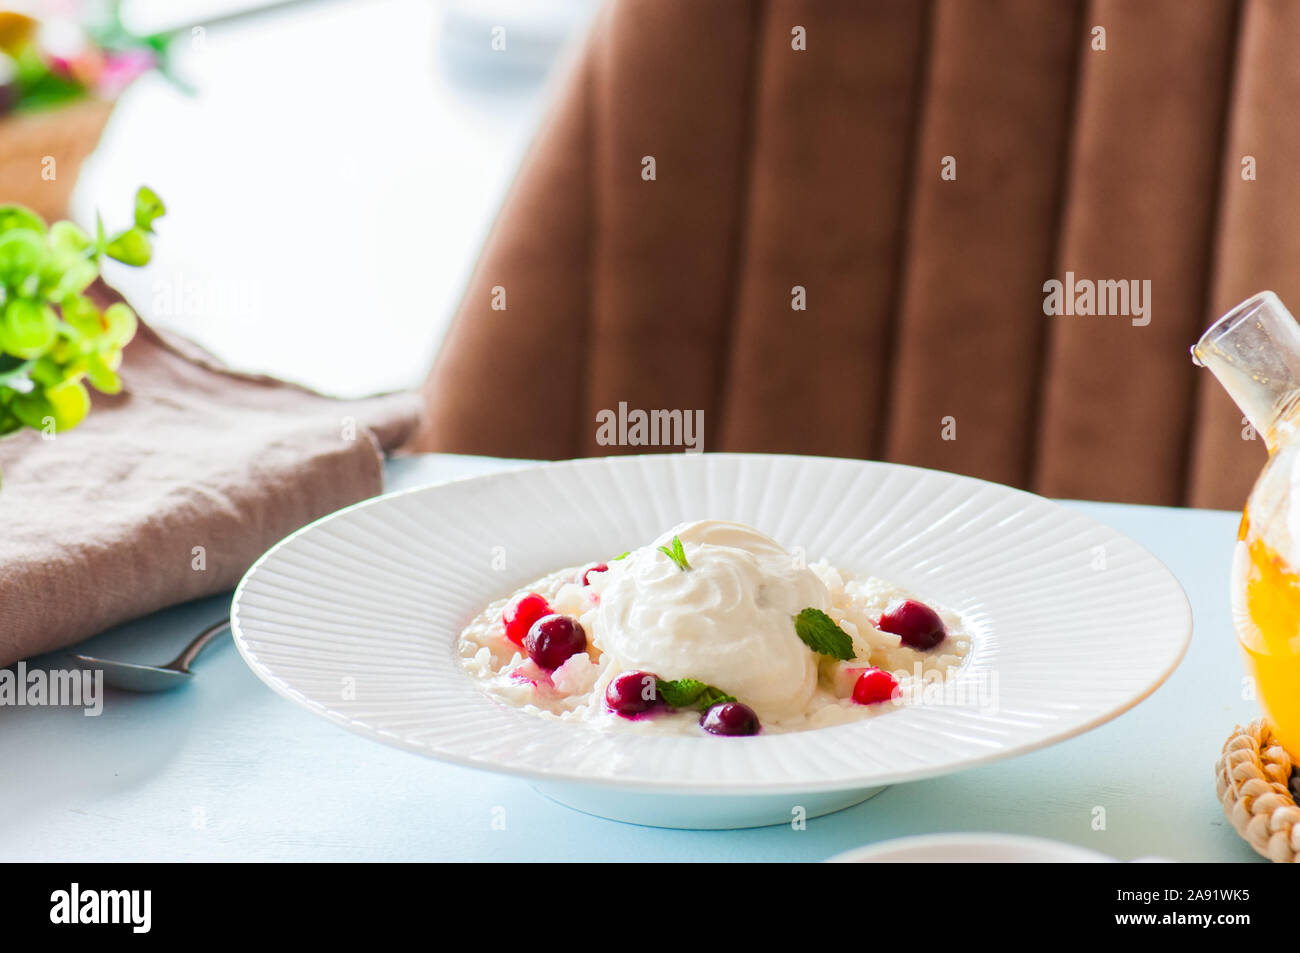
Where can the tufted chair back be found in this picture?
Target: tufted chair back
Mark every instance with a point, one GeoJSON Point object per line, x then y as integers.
{"type": "Point", "coordinates": [830, 226]}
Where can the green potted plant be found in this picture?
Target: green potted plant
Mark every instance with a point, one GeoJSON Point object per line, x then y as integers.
{"type": "Point", "coordinates": [55, 341]}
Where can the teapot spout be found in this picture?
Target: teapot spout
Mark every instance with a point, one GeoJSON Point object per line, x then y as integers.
{"type": "Point", "coordinates": [1254, 352]}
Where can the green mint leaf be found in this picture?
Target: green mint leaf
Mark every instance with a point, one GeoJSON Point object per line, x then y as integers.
{"type": "Point", "coordinates": [712, 696]}
{"type": "Point", "coordinates": [677, 553]}
{"type": "Point", "coordinates": [690, 693]}
{"type": "Point", "coordinates": [820, 633]}
{"type": "Point", "coordinates": [680, 692]}
{"type": "Point", "coordinates": [624, 556]}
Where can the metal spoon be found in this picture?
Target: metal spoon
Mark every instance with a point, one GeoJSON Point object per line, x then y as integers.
{"type": "Point", "coordinates": [133, 677]}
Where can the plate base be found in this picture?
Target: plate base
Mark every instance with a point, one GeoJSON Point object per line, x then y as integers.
{"type": "Point", "coordinates": [701, 812]}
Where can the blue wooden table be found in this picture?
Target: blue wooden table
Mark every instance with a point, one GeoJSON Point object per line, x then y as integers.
{"type": "Point", "coordinates": [224, 769]}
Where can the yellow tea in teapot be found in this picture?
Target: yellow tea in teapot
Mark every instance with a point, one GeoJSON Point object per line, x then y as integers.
{"type": "Point", "coordinates": [1266, 615]}
{"type": "Point", "coordinates": [1254, 351]}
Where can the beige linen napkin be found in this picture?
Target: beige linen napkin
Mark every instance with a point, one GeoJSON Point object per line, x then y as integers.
{"type": "Point", "coordinates": [171, 489]}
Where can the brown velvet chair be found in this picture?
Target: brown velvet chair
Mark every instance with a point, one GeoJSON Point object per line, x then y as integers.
{"type": "Point", "coordinates": [823, 168]}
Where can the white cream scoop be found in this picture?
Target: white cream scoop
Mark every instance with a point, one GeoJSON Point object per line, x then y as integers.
{"type": "Point", "coordinates": [727, 621]}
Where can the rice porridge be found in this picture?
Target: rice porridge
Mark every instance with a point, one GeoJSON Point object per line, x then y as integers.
{"type": "Point", "coordinates": [712, 628]}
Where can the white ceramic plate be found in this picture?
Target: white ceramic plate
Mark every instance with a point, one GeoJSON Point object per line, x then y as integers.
{"type": "Point", "coordinates": [971, 849]}
{"type": "Point", "coordinates": [356, 618]}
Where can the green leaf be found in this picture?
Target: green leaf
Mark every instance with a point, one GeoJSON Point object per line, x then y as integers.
{"type": "Point", "coordinates": [70, 403]}
{"type": "Point", "coordinates": [102, 373]}
{"type": "Point", "coordinates": [63, 406]}
{"type": "Point", "coordinates": [22, 251]}
{"type": "Point", "coordinates": [131, 247]}
{"type": "Point", "coordinates": [28, 328]}
{"type": "Point", "coordinates": [69, 266]}
{"type": "Point", "coordinates": [122, 324]}
{"type": "Point", "coordinates": [11, 369]}
{"type": "Point", "coordinates": [32, 409]}
{"type": "Point", "coordinates": [49, 373]}
{"type": "Point", "coordinates": [20, 216]}
{"type": "Point", "coordinates": [66, 273]}
{"type": "Point", "coordinates": [148, 208]}
{"type": "Point", "coordinates": [623, 556]}
{"type": "Point", "coordinates": [690, 693]}
{"type": "Point", "coordinates": [48, 91]}
{"type": "Point", "coordinates": [81, 314]}
{"type": "Point", "coordinates": [820, 633]}
{"type": "Point", "coordinates": [677, 553]}
{"type": "Point", "coordinates": [69, 237]}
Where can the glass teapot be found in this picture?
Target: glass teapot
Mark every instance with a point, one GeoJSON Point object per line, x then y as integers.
{"type": "Point", "coordinates": [1254, 351]}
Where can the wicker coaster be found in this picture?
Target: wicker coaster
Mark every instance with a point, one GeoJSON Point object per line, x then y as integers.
{"type": "Point", "coordinates": [1258, 792]}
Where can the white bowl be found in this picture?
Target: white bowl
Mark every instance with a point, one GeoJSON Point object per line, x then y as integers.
{"type": "Point", "coordinates": [971, 849]}
{"type": "Point", "coordinates": [356, 618]}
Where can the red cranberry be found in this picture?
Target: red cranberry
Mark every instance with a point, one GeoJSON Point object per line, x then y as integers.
{"type": "Point", "coordinates": [632, 693]}
{"type": "Point", "coordinates": [915, 623]}
{"type": "Point", "coordinates": [874, 685]}
{"type": "Point", "coordinates": [730, 718]}
{"type": "Point", "coordinates": [553, 639]}
{"type": "Point", "coordinates": [599, 567]}
{"type": "Point", "coordinates": [520, 614]}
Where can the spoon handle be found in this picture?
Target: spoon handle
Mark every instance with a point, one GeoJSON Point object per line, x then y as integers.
{"type": "Point", "coordinates": [198, 645]}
